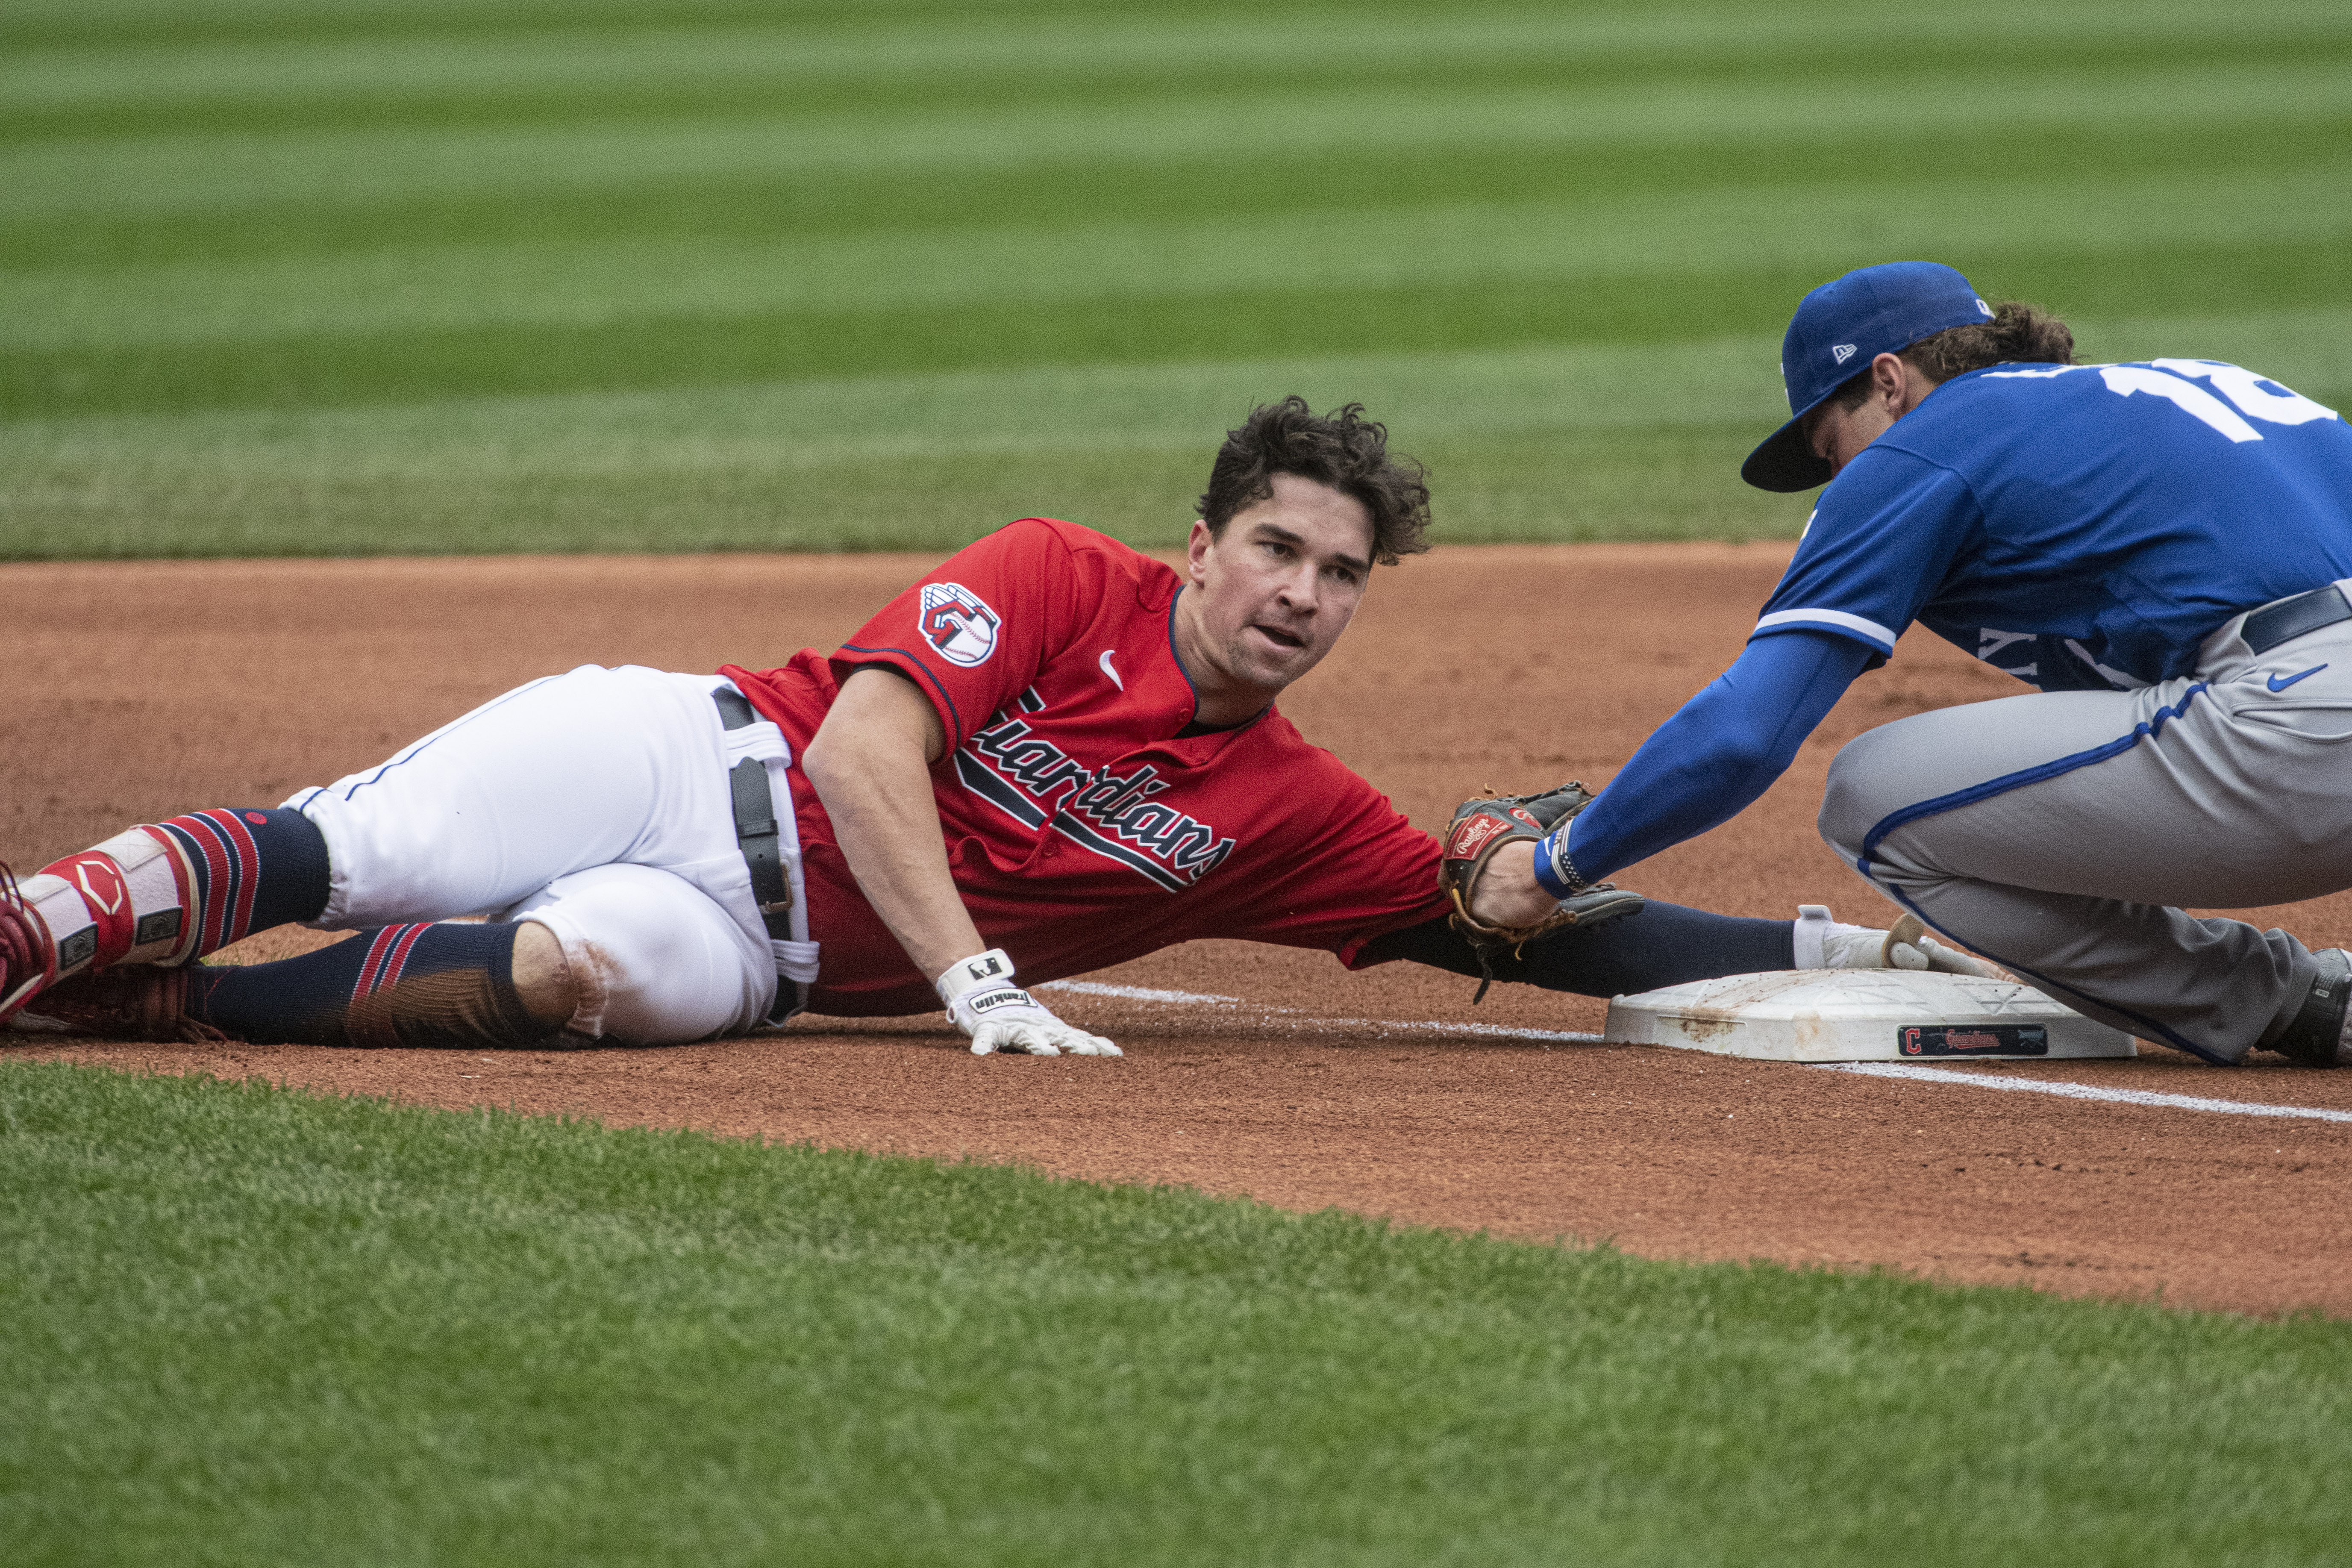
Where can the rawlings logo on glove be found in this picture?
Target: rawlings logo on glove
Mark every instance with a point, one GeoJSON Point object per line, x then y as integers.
{"type": "Point", "coordinates": [1473, 833]}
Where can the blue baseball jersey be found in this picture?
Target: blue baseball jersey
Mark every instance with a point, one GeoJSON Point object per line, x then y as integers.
{"type": "Point", "coordinates": [2081, 527]}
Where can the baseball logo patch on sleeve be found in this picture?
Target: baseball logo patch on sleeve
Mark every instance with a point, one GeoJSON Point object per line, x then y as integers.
{"type": "Point", "coordinates": [958, 624]}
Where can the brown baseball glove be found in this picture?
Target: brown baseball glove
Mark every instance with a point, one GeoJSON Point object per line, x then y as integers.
{"type": "Point", "coordinates": [1484, 826]}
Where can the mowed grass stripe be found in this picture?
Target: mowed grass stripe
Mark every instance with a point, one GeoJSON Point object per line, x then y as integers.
{"type": "Point", "coordinates": [1050, 195]}
{"type": "Point", "coordinates": [72, 23]}
{"type": "Point", "coordinates": [1306, 321]}
{"type": "Point", "coordinates": [248, 1325]}
{"type": "Point", "coordinates": [968, 411]}
{"type": "Point", "coordinates": [322, 80]}
{"type": "Point", "coordinates": [159, 175]}
{"type": "Point", "coordinates": [890, 462]}
{"type": "Point", "coordinates": [1556, 442]}
{"type": "Point", "coordinates": [1150, 404]}
{"type": "Point", "coordinates": [1398, 247]}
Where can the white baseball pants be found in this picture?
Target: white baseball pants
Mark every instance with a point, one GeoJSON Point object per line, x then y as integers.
{"type": "Point", "coordinates": [595, 803]}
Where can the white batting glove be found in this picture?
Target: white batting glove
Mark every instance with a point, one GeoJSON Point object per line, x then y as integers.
{"type": "Point", "coordinates": [1825, 944]}
{"type": "Point", "coordinates": [999, 1015]}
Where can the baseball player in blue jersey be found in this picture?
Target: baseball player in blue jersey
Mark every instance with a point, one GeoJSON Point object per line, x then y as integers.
{"type": "Point", "coordinates": [2163, 548]}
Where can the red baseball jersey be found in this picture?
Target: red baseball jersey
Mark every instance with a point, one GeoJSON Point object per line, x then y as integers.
{"type": "Point", "coordinates": [1082, 829]}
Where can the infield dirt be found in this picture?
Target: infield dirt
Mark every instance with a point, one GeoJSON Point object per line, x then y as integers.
{"type": "Point", "coordinates": [148, 688]}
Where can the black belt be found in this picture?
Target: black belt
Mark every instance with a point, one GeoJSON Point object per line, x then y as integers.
{"type": "Point", "coordinates": [755, 830]}
{"type": "Point", "coordinates": [755, 824]}
{"type": "Point", "coordinates": [2290, 618]}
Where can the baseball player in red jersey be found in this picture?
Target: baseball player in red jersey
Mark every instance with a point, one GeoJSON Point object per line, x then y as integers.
{"type": "Point", "coordinates": [1095, 801]}
{"type": "Point", "coordinates": [1051, 755]}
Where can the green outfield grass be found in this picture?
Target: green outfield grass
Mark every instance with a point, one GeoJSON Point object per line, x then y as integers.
{"type": "Point", "coordinates": [355, 276]}
{"type": "Point", "coordinates": [246, 1326]}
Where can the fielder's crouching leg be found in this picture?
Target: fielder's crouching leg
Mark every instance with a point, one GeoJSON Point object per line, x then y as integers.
{"type": "Point", "coordinates": [2019, 828]}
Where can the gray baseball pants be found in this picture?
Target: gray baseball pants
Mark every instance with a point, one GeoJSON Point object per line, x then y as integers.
{"type": "Point", "coordinates": [2060, 834]}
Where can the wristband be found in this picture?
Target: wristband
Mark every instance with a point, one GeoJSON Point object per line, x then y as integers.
{"type": "Point", "coordinates": [981, 972]}
{"type": "Point", "coordinates": [1555, 873]}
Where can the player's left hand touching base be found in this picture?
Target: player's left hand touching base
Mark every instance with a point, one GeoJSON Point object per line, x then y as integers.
{"type": "Point", "coordinates": [999, 1015]}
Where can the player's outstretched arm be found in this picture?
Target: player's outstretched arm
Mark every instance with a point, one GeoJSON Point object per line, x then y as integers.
{"type": "Point", "coordinates": [870, 763]}
{"type": "Point", "coordinates": [1702, 767]}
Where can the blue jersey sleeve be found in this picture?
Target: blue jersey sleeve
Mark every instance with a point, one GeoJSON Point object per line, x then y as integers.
{"type": "Point", "coordinates": [1720, 751]}
{"type": "Point", "coordinates": [1883, 539]}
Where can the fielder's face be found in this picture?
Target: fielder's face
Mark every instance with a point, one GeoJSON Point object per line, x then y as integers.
{"type": "Point", "coordinates": [1839, 434]}
{"type": "Point", "coordinates": [1269, 597]}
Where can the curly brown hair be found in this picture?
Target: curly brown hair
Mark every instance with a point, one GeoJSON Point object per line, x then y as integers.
{"type": "Point", "coordinates": [2018, 333]}
{"type": "Point", "coordinates": [1341, 450]}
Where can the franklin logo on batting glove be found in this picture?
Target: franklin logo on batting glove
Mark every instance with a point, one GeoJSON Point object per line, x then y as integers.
{"type": "Point", "coordinates": [1005, 996]}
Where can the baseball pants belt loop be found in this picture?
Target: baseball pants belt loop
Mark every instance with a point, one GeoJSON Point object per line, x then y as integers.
{"type": "Point", "coordinates": [761, 837]}
{"type": "Point", "coordinates": [2269, 626]}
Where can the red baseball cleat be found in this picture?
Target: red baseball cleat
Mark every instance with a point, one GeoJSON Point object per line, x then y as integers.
{"type": "Point", "coordinates": [28, 959]}
{"type": "Point", "coordinates": [136, 1002]}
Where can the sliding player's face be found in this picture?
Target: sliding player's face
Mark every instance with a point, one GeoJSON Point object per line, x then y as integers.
{"type": "Point", "coordinates": [1278, 586]}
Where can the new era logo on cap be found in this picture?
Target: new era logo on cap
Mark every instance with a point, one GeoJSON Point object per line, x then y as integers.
{"type": "Point", "coordinates": [1842, 353]}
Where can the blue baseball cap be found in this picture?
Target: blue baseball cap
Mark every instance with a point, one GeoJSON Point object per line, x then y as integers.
{"type": "Point", "coordinates": [1837, 330]}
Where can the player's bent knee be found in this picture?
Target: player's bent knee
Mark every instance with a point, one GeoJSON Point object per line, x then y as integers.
{"type": "Point", "coordinates": [649, 959]}
{"type": "Point", "coordinates": [1853, 801]}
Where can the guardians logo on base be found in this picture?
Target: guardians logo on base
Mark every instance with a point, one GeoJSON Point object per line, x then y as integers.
{"type": "Point", "coordinates": [958, 623]}
{"type": "Point", "coordinates": [1976, 1041]}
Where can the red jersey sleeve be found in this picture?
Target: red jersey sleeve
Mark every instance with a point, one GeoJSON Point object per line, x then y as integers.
{"type": "Point", "coordinates": [974, 632]}
{"type": "Point", "coordinates": [1365, 872]}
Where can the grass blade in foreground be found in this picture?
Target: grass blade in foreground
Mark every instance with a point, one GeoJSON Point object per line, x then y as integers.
{"type": "Point", "coordinates": [245, 1325]}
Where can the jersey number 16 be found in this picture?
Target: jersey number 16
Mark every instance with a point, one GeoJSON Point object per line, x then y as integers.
{"type": "Point", "coordinates": [2255, 396]}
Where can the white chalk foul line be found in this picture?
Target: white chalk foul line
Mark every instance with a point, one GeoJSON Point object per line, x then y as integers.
{"type": "Point", "coordinates": [1961, 1076]}
{"type": "Point", "coordinates": [1198, 998]}
{"type": "Point", "coordinates": [1494, 1031]}
{"type": "Point", "coordinates": [1136, 993]}
{"type": "Point", "coordinates": [1968, 1080]}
